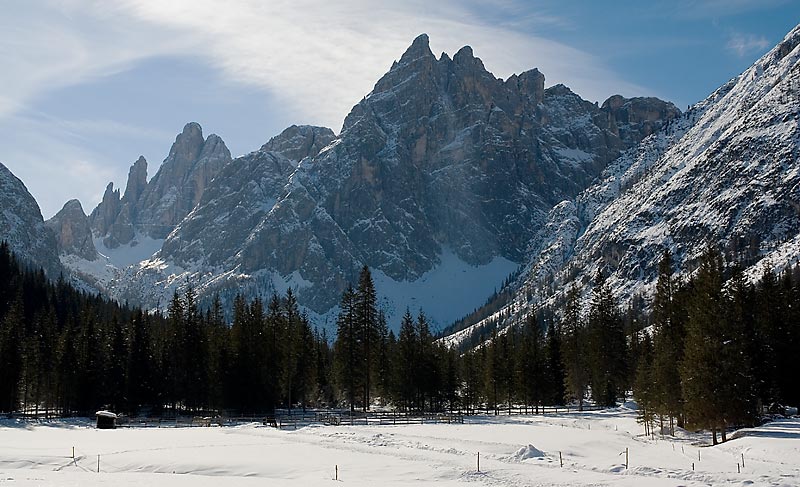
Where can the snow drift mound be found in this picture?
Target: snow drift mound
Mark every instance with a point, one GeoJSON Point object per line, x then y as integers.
{"type": "Point", "coordinates": [527, 452]}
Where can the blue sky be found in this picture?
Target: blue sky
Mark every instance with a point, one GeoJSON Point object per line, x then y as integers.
{"type": "Point", "coordinates": [89, 85]}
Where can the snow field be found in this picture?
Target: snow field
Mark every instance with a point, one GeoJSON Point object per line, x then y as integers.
{"type": "Point", "coordinates": [514, 451]}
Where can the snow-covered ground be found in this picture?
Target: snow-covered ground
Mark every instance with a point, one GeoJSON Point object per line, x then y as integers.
{"type": "Point", "coordinates": [514, 451]}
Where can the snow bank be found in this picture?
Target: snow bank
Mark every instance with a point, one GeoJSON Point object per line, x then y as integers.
{"type": "Point", "coordinates": [527, 452]}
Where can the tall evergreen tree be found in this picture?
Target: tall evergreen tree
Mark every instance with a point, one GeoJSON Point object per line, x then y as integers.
{"type": "Point", "coordinates": [574, 350]}
{"type": "Point", "coordinates": [406, 363]}
{"type": "Point", "coordinates": [368, 327]}
{"type": "Point", "coordinates": [555, 376]}
{"type": "Point", "coordinates": [607, 357]}
{"type": "Point", "coordinates": [701, 371]}
{"type": "Point", "coordinates": [668, 329]}
{"type": "Point", "coordinates": [348, 363]}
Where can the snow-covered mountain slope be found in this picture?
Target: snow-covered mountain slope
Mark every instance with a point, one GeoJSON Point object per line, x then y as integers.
{"type": "Point", "coordinates": [22, 225]}
{"type": "Point", "coordinates": [726, 173]}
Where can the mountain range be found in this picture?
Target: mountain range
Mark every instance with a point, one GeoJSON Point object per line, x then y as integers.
{"type": "Point", "coordinates": [445, 180]}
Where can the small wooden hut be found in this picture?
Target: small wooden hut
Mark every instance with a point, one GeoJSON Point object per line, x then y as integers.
{"type": "Point", "coordinates": [106, 420]}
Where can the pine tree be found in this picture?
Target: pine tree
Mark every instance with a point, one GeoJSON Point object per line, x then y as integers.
{"type": "Point", "coordinates": [141, 360]}
{"type": "Point", "coordinates": [701, 371]}
{"type": "Point", "coordinates": [406, 363]}
{"type": "Point", "coordinates": [607, 341]}
{"type": "Point", "coordinates": [644, 387]}
{"type": "Point", "coordinates": [668, 326]}
{"type": "Point", "coordinates": [738, 390]}
{"type": "Point", "coordinates": [574, 350]}
{"type": "Point", "coordinates": [531, 360]}
{"type": "Point", "coordinates": [291, 348]}
{"type": "Point", "coordinates": [554, 367]}
{"type": "Point", "coordinates": [348, 363]}
{"type": "Point", "coordinates": [366, 317]}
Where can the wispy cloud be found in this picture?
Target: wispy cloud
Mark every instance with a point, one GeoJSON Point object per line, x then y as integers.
{"type": "Point", "coordinates": [321, 57]}
{"type": "Point", "coordinates": [324, 56]}
{"type": "Point", "coordinates": [746, 44]}
{"type": "Point", "coordinates": [318, 58]}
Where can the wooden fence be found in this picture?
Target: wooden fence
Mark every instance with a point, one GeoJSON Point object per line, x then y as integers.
{"type": "Point", "coordinates": [296, 418]}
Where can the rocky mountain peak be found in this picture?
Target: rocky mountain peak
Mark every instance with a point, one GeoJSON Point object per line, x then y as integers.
{"type": "Point", "coordinates": [188, 143]}
{"type": "Point", "coordinates": [465, 56]}
{"type": "Point", "coordinates": [104, 215]}
{"type": "Point", "coordinates": [72, 231]}
{"type": "Point", "coordinates": [300, 141]}
{"type": "Point", "coordinates": [137, 180]}
{"type": "Point", "coordinates": [529, 83]}
{"type": "Point", "coordinates": [180, 181]}
{"type": "Point", "coordinates": [420, 48]}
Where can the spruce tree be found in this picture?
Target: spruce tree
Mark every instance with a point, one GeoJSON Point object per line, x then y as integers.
{"type": "Point", "coordinates": [701, 371]}
{"type": "Point", "coordinates": [554, 367]}
{"type": "Point", "coordinates": [668, 330]}
{"type": "Point", "coordinates": [368, 327]}
{"type": "Point", "coordinates": [348, 362]}
{"type": "Point", "coordinates": [607, 351]}
{"type": "Point", "coordinates": [406, 363]}
{"type": "Point", "coordinates": [574, 350]}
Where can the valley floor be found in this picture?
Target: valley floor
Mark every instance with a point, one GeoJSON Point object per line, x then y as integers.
{"type": "Point", "coordinates": [514, 451]}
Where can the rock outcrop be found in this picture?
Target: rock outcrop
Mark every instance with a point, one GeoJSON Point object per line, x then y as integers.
{"type": "Point", "coordinates": [72, 231]}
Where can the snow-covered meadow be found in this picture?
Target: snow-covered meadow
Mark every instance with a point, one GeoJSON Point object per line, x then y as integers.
{"type": "Point", "coordinates": [514, 451]}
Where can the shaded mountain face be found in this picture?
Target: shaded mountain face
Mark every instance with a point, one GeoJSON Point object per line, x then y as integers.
{"type": "Point", "coordinates": [726, 173]}
{"type": "Point", "coordinates": [22, 225]}
{"type": "Point", "coordinates": [72, 231]}
{"type": "Point", "coordinates": [440, 157]}
{"type": "Point", "coordinates": [154, 208]}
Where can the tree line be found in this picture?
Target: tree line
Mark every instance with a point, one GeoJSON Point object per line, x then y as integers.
{"type": "Point", "coordinates": [721, 351]}
{"type": "Point", "coordinates": [715, 351]}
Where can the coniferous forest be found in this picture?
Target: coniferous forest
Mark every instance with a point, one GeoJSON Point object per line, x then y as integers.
{"type": "Point", "coordinates": [714, 352]}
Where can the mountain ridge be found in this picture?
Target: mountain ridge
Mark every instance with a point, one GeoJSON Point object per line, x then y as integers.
{"type": "Point", "coordinates": [723, 174]}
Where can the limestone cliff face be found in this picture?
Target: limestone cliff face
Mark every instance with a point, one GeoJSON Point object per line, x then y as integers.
{"type": "Point", "coordinates": [180, 182]}
{"type": "Point", "coordinates": [155, 208]}
{"type": "Point", "coordinates": [72, 231]}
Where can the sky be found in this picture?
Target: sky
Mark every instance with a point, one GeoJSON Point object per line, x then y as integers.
{"type": "Point", "coordinates": [89, 85]}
